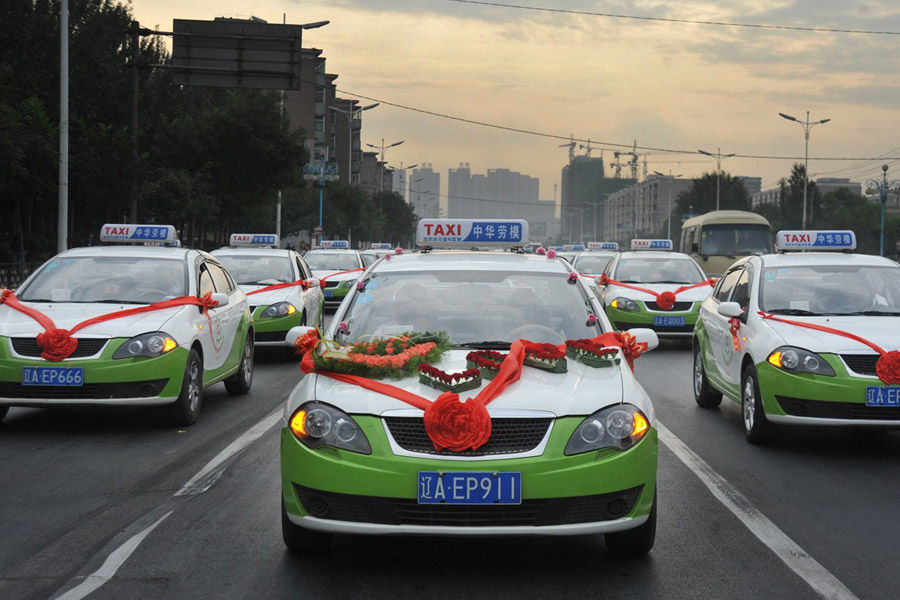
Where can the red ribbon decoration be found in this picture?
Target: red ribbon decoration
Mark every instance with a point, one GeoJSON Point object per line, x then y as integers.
{"type": "Point", "coordinates": [322, 279]}
{"type": "Point", "coordinates": [627, 343]}
{"type": "Point", "coordinates": [735, 326]}
{"type": "Point", "coordinates": [58, 344]}
{"type": "Point", "coordinates": [279, 286]}
{"type": "Point", "coordinates": [888, 366]}
{"type": "Point", "coordinates": [665, 300]}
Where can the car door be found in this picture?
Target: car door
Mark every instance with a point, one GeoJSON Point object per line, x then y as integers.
{"type": "Point", "coordinates": [718, 330]}
{"type": "Point", "coordinates": [229, 316]}
{"type": "Point", "coordinates": [312, 298]}
{"type": "Point", "coordinates": [732, 356]}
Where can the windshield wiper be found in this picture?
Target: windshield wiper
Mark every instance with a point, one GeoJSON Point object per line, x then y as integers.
{"type": "Point", "coordinates": [487, 345]}
{"type": "Point", "coordinates": [794, 311]}
{"type": "Point", "coordinates": [668, 281]}
{"type": "Point", "coordinates": [879, 313]}
{"type": "Point", "coordinates": [116, 302]}
{"type": "Point", "coordinates": [41, 300]}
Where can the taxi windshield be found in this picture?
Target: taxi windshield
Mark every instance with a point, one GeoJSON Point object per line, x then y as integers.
{"type": "Point", "coordinates": [112, 279]}
{"type": "Point", "coordinates": [331, 261]}
{"type": "Point", "coordinates": [588, 264]}
{"type": "Point", "coordinates": [472, 307]}
{"type": "Point", "coordinates": [657, 270]}
{"type": "Point", "coordinates": [248, 270]}
{"type": "Point", "coordinates": [831, 290]}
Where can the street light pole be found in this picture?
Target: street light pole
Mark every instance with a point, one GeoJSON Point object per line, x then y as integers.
{"type": "Point", "coordinates": [883, 187]}
{"type": "Point", "coordinates": [350, 114]}
{"type": "Point", "coordinates": [807, 125]}
{"type": "Point", "coordinates": [718, 156]}
{"type": "Point", "coordinates": [381, 172]}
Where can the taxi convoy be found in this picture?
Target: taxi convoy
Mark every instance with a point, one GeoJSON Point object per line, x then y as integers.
{"type": "Point", "coordinates": [555, 437]}
{"type": "Point", "coordinates": [338, 265]}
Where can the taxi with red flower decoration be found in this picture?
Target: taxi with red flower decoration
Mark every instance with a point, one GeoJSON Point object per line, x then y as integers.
{"type": "Point", "coordinates": [803, 338]}
{"type": "Point", "coordinates": [651, 286]}
{"type": "Point", "coordinates": [125, 325]}
{"type": "Point", "coordinates": [279, 285]}
{"type": "Point", "coordinates": [470, 393]}
{"type": "Point", "coordinates": [338, 266]}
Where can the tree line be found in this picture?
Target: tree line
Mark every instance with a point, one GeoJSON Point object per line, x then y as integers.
{"type": "Point", "coordinates": [210, 160]}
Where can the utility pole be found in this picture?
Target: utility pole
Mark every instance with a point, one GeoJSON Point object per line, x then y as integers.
{"type": "Point", "coordinates": [62, 232]}
{"type": "Point", "coordinates": [883, 187]}
{"type": "Point", "coordinates": [718, 156]}
{"type": "Point", "coordinates": [807, 125]}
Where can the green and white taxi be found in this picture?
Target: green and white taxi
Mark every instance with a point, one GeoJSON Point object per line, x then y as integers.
{"type": "Point", "coordinates": [651, 286]}
{"type": "Point", "coordinates": [565, 438]}
{"type": "Point", "coordinates": [125, 325]}
{"type": "Point", "coordinates": [279, 285]}
{"type": "Point", "coordinates": [594, 261]}
{"type": "Point", "coordinates": [803, 338]}
{"type": "Point", "coordinates": [338, 265]}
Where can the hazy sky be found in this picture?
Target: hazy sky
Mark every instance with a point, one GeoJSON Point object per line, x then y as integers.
{"type": "Point", "coordinates": [667, 85]}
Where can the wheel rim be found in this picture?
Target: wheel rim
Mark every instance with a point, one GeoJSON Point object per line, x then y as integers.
{"type": "Point", "coordinates": [749, 403]}
{"type": "Point", "coordinates": [247, 363]}
{"type": "Point", "coordinates": [698, 373]}
{"type": "Point", "coordinates": [194, 387]}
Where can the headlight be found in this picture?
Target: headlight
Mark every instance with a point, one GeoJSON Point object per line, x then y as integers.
{"type": "Point", "coordinates": [279, 309]}
{"type": "Point", "coordinates": [147, 344]}
{"type": "Point", "coordinates": [621, 303]}
{"type": "Point", "coordinates": [619, 426]}
{"type": "Point", "coordinates": [348, 284]}
{"type": "Point", "coordinates": [798, 360]}
{"type": "Point", "coordinates": [317, 424]}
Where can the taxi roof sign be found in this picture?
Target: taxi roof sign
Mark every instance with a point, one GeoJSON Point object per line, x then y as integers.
{"type": "Point", "coordinates": [815, 240]}
{"type": "Point", "coordinates": [465, 233]}
{"type": "Point", "coordinates": [642, 244]}
{"type": "Point", "coordinates": [380, 246]}
{"type": "Point", "coordinates": [334, 244]}
{"type": "Point", "coordinates": [124, 233]}
{"type": "Point", "coordinates": [603, 246]}
{"type": "Point", "coordinates": [254, 240]}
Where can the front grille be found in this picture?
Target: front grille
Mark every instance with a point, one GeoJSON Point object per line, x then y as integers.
{"type": "Point", "coordinates": [678, 306]}
{"type": "Point", "coordinates": [508, 436]}
{"type": "Point", "coordinates": [660, 329]}
{"type": "Point", "coordinates": [88, 391]}
{"type": "Point", "coordinates": [269, 336]}
{"type": "Point", "coordinates": [861, 364]}
{"type": "Point", "coordinates": [533, 513]}
{"type": "Point", "coordinates": [800, 407]}
{"type": "Point", "coordinates": [29, 347]}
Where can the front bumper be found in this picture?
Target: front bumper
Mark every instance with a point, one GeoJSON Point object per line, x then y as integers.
{"type": "Point", "coordinates": [335, 295]}
{"type": "Point", "coordinates": [138, 381]}
{"type": "Point", "coordinates": [345, 492]}
{"type": "Point", "coordinates": [273, 331]}
{"type": "Point", "coordinates": [628, 319]}
{"type": "Point", "coordinates": [808, 399]}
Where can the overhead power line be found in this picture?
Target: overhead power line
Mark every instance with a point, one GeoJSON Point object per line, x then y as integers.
{"type": "Point", "coordinates": [673, 20]}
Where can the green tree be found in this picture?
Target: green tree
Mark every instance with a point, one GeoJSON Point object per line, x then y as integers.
{"type": "Point", "coordinates": [701, 196]}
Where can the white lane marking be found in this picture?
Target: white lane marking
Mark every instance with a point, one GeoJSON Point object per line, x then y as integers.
{"type": "Point", "coordinates": [209, 474]}
{"type": "Point", "coordinates": [112, 563]}
{"type": "Point", "coordinates": [199, 483]}
{"type": "Point", "coordinates": [796, 558]}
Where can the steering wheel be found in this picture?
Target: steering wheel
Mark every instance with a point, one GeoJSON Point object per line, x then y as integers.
{"type": "Point", "coordinates": [541, 330]}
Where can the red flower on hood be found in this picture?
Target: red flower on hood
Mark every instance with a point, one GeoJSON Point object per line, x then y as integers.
{"type": "Point", "coordinates": [455, 425]}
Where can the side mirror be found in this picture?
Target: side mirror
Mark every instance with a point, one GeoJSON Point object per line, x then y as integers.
{"type": "Point", "coordinates": [730, 309]}
{"type": "Point", "coordinates": [313, 282]}
{"type": "Point", "coordinates": [221, 298]}
{"type": "Point", "coordinates": [645, 336]}
{"type": "Point", "coordinates": [295, 333]}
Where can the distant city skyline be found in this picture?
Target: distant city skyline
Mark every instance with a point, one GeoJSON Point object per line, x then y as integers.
{"type": "Point", "coordinates": [664, 85]}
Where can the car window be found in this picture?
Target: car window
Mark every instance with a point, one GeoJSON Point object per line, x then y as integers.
{"type": "Point", "coordinates": [741, 293]}
{"type": "Point", "coordinates": [205, 282]}
{"type": "Point", "coordinates": [726, 285]}
{"type": "Point", "coordinates": [830, 289]}
{"type": "Point", "coordinates": [302, 268]}
{"type": "Point", "coordinates": [332, 261]}
{"type": "Point", "coordinates": [591, 265]}
{"type": "Point", "coordinates": [220, 279]}
{"type": "Point", "coordinates": [252, 269]}
{"type": "Point", "coordinates": [658, 270]}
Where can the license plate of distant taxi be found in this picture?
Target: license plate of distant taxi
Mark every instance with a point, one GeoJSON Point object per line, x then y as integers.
{"type": "Point", "coordinates": [438, 487]}
{"type": "Point", "coordinates": [60, 376]}
{"type": "Point", "coordinates": [883, 396]}
{"type": "Point", "coordinates": [668, 321]}
{"type": "Point", "coordinates": [328, 293]}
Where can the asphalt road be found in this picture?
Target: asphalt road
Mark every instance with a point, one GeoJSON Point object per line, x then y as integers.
{"type": "Point", "coordinates": [98, 501]}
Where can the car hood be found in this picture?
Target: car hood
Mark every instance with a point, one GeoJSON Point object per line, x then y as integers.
{"type": "Point", "coordinates": [265, 298]}
{"type": "Point", "coordinates": [67, 315]}
{"type": "Point", "coordinates": [697, 294]}
{"type": "Point", "coordinates": [328, 273]}
{"type": "Point", "coordinates": [881, 331]}
{"type": "Point", "coordinates": [581, 391]}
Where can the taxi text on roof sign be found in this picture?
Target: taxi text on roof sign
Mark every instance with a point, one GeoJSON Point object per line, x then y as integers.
{"type": "Point", "coordinates": [380, 246]}
{"type": "Point", "coordinates": [471, 232]}
{"type": "Point", "coordinates": [651, 244]}
{"type": "Point", "coordinates": [815, 240]}
{"type": "Point", "coordinates": [334, 244]}
{"type": "Point", "coordinates": [603, 245]}
{"type": "Point", "coordinates": [253, 239]}
{"type": "Point", "coordinates": [114, 232]}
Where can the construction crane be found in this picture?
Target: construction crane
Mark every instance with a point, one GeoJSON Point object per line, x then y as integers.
{"type": "Point", "coordinates": [571, 145]}
{"type": "Point", "coordinates": [632, 163]}
{"type": "Point", "coordinates": [586, 148]}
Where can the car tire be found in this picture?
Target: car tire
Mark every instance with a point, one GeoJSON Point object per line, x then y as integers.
{"type": "Point", "coordinates": [634, 542]}
{"type": "Point", "coordinates": [240, 382]}
{"type": "Point", "coordinates": [704, 394]}
{"type": "Point", "coordinates": [186, 408]}
{"type": "Point", "coordinates": [757, 428]}
{"type": "Point", "coordinates": [299, 540]}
